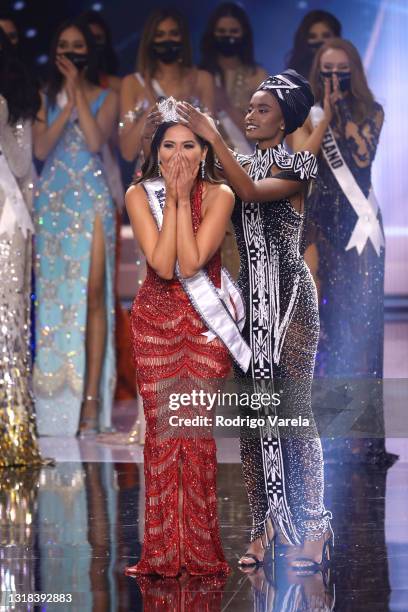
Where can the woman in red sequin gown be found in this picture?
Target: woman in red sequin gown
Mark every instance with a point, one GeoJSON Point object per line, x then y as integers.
{"type": "Point", "coordinates": [172, 354]}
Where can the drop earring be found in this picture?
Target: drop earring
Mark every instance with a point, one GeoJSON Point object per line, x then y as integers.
{"type": "Point", "coordinates": [282, 127]}
{"type": "Point", "coordinates": [158, 168]}
{"type": "Point", "coordinates": [202, 164]}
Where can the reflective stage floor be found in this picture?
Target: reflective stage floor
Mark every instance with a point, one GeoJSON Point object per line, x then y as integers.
{"type": "Point", "coordinates": [72, 528]}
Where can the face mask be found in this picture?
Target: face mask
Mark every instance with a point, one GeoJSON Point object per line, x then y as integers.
{"type": "Point", "coordinates": [344, 79]}
{"type": "Point", "coordinates": [315, 46]}
{"type": "Point", "coordinates": [168, 51]}
{"type": "Point", "coordinates": [228, 46]}
{"type": "Point", "coordinates": [80, 60]}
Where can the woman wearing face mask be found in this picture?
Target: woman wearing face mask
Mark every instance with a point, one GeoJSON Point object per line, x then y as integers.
{"type": "Point", "coordinates": [344, 235]}
{"type": "Point", "coordinates": [19, 105]}
{"type": "Point", "coordinates": [164, 68]}
{"type": "Point", "coordinates": [316, 28]}
{"type": "Point", "coordinates": [107, 59]}
{"type": "Point", "coordinates": [179, 214]}
{"type": "Point", "coordinates": [74, 372]}
{"type": "Point", "coordinates": [283, 471]}
{"type": "Point", "coordinates": [227, 52]}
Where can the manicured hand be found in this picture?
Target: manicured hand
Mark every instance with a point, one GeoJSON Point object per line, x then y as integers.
{"type": "Point", "coordinates": [153, 120]}
{"type": "Point", "coordinates": [71, 74]}
{"type": "Point", "coordinates": [198, 122]}
{"type": "Point", "coordinates": [186, 178]}
{"type": "Point", "coordinates": [327, 104]}
{"type": "Point", "coordinates": [337, 94]}
{"type": "Point", "coordinates": [170, 175]}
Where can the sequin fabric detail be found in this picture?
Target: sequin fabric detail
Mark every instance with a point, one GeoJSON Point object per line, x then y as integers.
{"type": "Point", "coordinates": [18, 444]}
{"type": "Point", "coordinates": [172, 355]}
{"type": "Point", "coordinates": [351, 285]}
{"type": "Point", "coordinates": [72, 191]}
{"type": "Point", "coordinates": [283, 476]}
{"type": "Point", "coordinates": [17, 422]}
{"type": "Point", "coordinates": [351, 304]}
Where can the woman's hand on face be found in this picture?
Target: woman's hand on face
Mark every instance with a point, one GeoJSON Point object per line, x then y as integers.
{"type": "Point", "coordinates": [71, 74]}
{"type": "Point", "coordinates": [198, 122]}
{"type": "Point", "coordinates": [170, 175]}
{"type": "Point", "coordinates": [327, 104]}
{"type": "Point", "coordinates": [336, 95]}
{"type": "Point", "coordinates": [186, 177]}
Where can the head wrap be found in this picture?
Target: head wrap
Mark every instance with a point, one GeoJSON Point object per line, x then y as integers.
{"type": "Point", "coordinates": [294, 96]}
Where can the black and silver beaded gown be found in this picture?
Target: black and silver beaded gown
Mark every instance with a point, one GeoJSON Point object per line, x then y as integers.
{"type": "Point", "coordinates": [351, 285]}
{"type": "Point", "coordinates": [283, 473]}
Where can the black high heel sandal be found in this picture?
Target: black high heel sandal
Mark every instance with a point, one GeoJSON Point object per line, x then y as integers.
{"type": "Point", "coordinates": [255, 561]}
{"type": "Point", "coordinates": [303, 565]}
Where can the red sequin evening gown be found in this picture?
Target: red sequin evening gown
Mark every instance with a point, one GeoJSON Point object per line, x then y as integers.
{"type": "Point", "coordinates": [172, 354]}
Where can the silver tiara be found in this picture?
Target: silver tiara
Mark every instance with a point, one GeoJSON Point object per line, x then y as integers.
{"type": "Point", "coordinates": [168, 110]}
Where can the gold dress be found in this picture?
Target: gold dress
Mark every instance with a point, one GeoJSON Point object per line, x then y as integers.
{"type": "Point", "coordinates": [18, 445]}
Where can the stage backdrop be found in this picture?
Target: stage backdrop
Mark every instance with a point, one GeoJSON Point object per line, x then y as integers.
{"type": "Point", "coordinates": [377, 27]}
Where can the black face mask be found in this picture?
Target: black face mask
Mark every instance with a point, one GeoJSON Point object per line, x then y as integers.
{"type": "Point", "coordinates": [80, 60]}
{"type": "Point", "coordinates": [344, 79]}
{"type": "Point", "coordinates": [228, 46]}
{"type": "Point", "coordinates": [168, 51]}
{"type": "Point", "coordinates": [315, 46]}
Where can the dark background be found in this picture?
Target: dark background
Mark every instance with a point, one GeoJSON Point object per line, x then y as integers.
{"type": "Point", "coordinates": [274, 22]}
{"type": "Point", "coordinates": [378, 28]}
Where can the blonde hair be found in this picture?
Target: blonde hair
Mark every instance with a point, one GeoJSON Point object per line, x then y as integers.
{"type": "Point", "coordinates": [361, 98]}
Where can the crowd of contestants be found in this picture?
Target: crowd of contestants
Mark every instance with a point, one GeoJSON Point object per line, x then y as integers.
{"type": "Point", "coordinates": [62, 197]}
{"type": "Point", "coordinates": [66, 342]}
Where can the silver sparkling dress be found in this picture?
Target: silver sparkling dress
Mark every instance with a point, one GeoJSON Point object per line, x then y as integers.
{"type": "Point", "coordinates": [283, 472]}
{"type": "Point", "coordinates": [18, 445]}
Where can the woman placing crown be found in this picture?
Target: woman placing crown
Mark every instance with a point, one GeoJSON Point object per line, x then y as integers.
{"type": "Point", "coordinates": [283, 476]}
{"type": "Point", "coordinates": [182, 335]}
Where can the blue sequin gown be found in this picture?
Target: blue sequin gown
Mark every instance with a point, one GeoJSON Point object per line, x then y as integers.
{"type": "Point", "coordinates": [71, 192]}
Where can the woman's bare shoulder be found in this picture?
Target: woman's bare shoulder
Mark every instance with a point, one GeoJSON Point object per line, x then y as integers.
{"type": "Point", "coordinates": [204, 77]}
{"type": "Point", "coordinates": [219, 190]}
{"type": "Point", "coordinates": [131, 84]}
{"type": "Point", "coordinates": [135, 193]}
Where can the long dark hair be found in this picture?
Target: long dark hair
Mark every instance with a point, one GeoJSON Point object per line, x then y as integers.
{"type": "Point", "coordinates": [108, 61]}
{"type": "Point", "coordinates": [17, 84]}
{"type": "Point", "coordinates": [361, 98]}
{"type": "Point", "coordinates": [208, 50]}
{"type": "Point", "coordinates": [146, 64]}
{"type": "Point", "coordinates": [55, 78]}
{"type": "Point", "coordinates": [300, 58]}
{"type": "Point", "coordinates": [150, 168]}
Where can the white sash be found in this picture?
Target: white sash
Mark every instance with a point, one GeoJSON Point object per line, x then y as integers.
{"type": "Point", "coordinates": [15, 213]}
{"type": "Point", "coordinates": [367, 226]}
{"type": "Point", "coordinates": [222, 310]}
